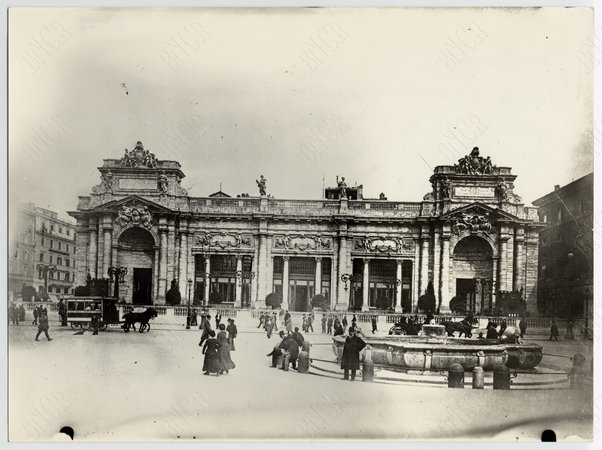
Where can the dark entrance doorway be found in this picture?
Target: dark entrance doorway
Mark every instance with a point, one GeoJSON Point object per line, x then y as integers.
{"type": "Point", "coordinates": [465, 293]}
{"type": "Point", "coordinates": [301, 295]}
{"type": "Point", "coordinates": [143, 282]}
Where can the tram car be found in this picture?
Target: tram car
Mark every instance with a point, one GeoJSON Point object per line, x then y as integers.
{"type": "Point", "coordinates": [80, 311]}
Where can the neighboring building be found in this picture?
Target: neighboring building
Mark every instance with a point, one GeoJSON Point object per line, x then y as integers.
{"type": "Point", "coordinates": [566, 250]}
{"type": "Point", "coordinates": [469, 236]}
{"type": "Point", "coordinates": [41, 237]}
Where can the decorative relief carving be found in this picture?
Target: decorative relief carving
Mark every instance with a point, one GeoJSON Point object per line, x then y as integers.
{"type": "Point", "coordinates": [473, 223]}
{"type": "Point", "coordinates": [138, 157]}
{"type": "Point", "coordinates": [384, 244]}
{"type": "Point", "coordinates": [303, 242]}
{"type": "Point", "coordinates": [223, 240]}
{"type": "Point", "coordinates": [134, 215]}
{"type": "Point", "coordinates": [474, 164]}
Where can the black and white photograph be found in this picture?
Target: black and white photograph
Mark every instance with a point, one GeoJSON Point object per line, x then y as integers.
{"type": "Point", "coordinates": [301, 224]}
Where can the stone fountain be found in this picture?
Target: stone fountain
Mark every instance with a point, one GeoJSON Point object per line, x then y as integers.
{"type": "Point", "coordinates": [434, 350]}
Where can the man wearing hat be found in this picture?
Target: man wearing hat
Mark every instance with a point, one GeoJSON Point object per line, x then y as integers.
{"type": "Point", "coordinates": [350, 360]}
{"type": "Point", "coordinates": [206, 327]}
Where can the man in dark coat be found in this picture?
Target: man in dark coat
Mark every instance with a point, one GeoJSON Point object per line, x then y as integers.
{"type": "Point", "coordinates": [43, 327]}
{"type": "Point", "coordinates": [491, 331]}
{"type": "Point", "coordinates": [350, 360]}
{"type": "Point", "coordinates": [554, 331]}
{"type": "Point", "coordinates": [344, 322]}
{"type": "Point", "coordinates": [218, 320]}
{"type": "Point", "coordinates": [35, 316]}
{"type": "Point", "coordinates": [206, 327]}
{"type": "Point", "coordinates": [338, 330]}
{"type": "Point", "coordinates": [373, 324]}
{"type": "Point", "coordinates": [290, 347]}
{"type": "Point", "coordinates": [261, 319]}
{"type": "Point", "coordinates": [298, 337]}
{"type": "Point", "coordinates": [232, 333]}
{"type": "Point", "coordinates": [329, 325]}
{"type": "Point", "coordinates": [21, 313]}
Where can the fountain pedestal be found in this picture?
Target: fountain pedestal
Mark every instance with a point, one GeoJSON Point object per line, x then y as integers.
{"type": "Point", "coordinates": [433, 331]}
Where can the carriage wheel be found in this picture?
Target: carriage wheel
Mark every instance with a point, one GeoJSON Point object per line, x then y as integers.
{"type": "Point", "coordinates": [103, 326]}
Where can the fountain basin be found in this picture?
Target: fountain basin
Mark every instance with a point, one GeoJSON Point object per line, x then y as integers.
{"type": "Point", "coordinates": [439, 353]}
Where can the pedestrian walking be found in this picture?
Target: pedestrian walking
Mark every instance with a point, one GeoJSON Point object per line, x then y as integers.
{"type": "Point", "coordinates": [224, 350]}
{"type": "Point", "coordinates": [275, 321]}
{"type": "Point", "coordinates": [35, 316]}
{"type": "Point", "coordinates": [261, 319]}
{"type": "Point", "coordinates": [350, 361]}
{"type": "Point", "coordinates": [206, 327]}
{"type": "Point", "coordinates": [323, 324]}
{"type": "Point", "coordinates": [310, 322]}
{"type": "Point", "coordinates": [95, 322]}
{"type": "Point", "coordinates": [304, 323]}
{"type": "Point", "coordinates": [211, 363]}
{"type": "Point", "coordinates": [63, 312]}
{"type": "Point", "coordinates": [232, 333]}
{"type": "Point", "coordinates": [13, 314]}
{"type": "Point", "coordinates": [554, 331]}
{"type": "Point", "coordinates": [522, 325]}
{"type": "Point", "coordinates": [43, 327]}
{"type": "Point", "coordinates": [338, 329]}
{"type": "Point", "coordinates": [354, 321]}
{"type": "Point", "coordinates": [329, 325]}
{"type": "Point", "coordinates": [288, 323]}
{"type": "Point", "coordinates": [21, 313]}
{"type": "Point", "coordinates": [374, 322]}
{"type": "Point", "coordinates": [269, 327]}
{"type": "Point", "coordinates": [193, 318]}
{"type": "Point", "coordinates": [218, 320]}
{"type": "Point", "coordinates": [344, 322]}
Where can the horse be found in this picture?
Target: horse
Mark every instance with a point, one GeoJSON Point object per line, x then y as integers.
{"type": "Point", "coordinates": [143, 317]}
{"type": "Point", "coordinates": [463, 327]}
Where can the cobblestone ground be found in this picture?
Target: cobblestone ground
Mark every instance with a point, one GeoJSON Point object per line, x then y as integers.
{"type": "Point", "coordinates": [118, 386]}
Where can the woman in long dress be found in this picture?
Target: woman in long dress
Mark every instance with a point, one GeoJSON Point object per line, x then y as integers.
{"type": "Point", "coordinates": [212, 363]}
{"type": "Point", "coordinates": [224, 349]}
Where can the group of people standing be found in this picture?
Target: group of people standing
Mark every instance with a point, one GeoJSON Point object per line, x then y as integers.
{"type": "Point", "coordinates": [40, 318]}
{"type": "Point", "coordinates": [332, 324]}
{"type": "Point", "coordinates": [289, 348]}
{"type": "Point", "coordinates": [16, 313]}
{"type": "Point", "coordinates": [217, 348]}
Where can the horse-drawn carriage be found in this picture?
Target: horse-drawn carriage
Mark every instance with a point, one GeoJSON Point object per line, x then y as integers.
{"type": "Point", "coordinates": [81, 310]}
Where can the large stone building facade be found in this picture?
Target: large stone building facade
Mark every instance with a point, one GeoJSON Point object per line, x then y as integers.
{"type": "Point", "coordinates": [471, 236]}
{"type": "Point", "coordinates": [566, 251]}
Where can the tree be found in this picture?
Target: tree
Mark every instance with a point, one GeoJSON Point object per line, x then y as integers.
{"type": "Point", "coordinates": [427, 301]}
{"type": "Point", "coordinates": [457, 305]}
{"type": "Point", "coordinates": [319, 301]}
{"type": "Point", "coordinates": [28, 293]}
{"type": "Point", "coordinates": [274, 300]}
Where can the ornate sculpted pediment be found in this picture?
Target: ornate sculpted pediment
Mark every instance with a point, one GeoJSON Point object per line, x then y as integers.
{"type": "Point", "coordinates": [384, 244]}
{"type": "Point", "coordinates": [223, 240]}
{"type": "Point", "coordinates": [134, 215]}
{"type": "Point", "coordinates": [474, 164]}
{"type": "Point", "coordinates": [302, 242]}
{"type": "Point", "coordinates": [472, 221]}
{"type": "Point", "coordinates": [138, 157]}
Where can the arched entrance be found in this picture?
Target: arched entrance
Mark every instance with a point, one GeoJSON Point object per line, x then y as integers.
{"type": "Point", "coordinates": [473, 272]}
{"type": "Point", "coordinates": [136, 252]}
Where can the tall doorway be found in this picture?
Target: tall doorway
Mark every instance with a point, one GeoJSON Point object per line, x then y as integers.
{"type": "Point", "coordinates": [143, 282]}
{"type": "Point", "coordinates": [473, 269]}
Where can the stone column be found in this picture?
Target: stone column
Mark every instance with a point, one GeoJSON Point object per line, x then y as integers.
{"type": "Point", "coordinates": [255, 268]}
{"type": "Point", "coordinates": [93, 248]}
{"type": "Point", "coordinates": [269, 279]}
{"type": "Point", "coordinates": [531, 271]}
{"type": "Point", "coordinates": [318, 277]}
{"type": "Point", "coordinates": [285, 283]}
{"type": "Point", "coordinates": [503, 267]}
{"type": "Point", "coordinates": [518, 278]}
{"type": "Point", "coordinates": [239, 281]}
{"type": "Point", "coordinates": [171, 247]}
{"type": "Point", "coordinates": [415, 275]}
{"type": "Point", "coordinates": [399, 289]}
{"type": "Point", "coordinates": [342, 293]}
{"type": "Point", "coordinates": [445, 288]}
{"type": "Point", "coordinates": [365, 286]}
{"type": "Point", "coordinates": [162, 264]}
{"type": "Point", "coordinates": [107, 241]}
{"type": "Point", "coordinates": [155, 293]}
{"type": "Point", "coordinates": [496, 280]}
{"type": "Point", "coordinates": [424, 264]}
{"type": "Point", "coordinates": [333, 281]}
{"type": "Point", "coordinates": [262, 291]}
{"type": "Point", "coordinates": [207, 279]}
{"type": "Point", "coordinates": [183, 269]}
{"type": "Point", "coordinates": [437, 264]}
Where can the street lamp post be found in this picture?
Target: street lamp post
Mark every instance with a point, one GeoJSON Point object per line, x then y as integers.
{"type": "Point", "coordinates": [44, 270]}
{"type": "Point", "coordinates": [355, 280]}
{"type": "Point", "coordinates": [119, 274]}
{"type": "Point", "coordinates": [188, 315]}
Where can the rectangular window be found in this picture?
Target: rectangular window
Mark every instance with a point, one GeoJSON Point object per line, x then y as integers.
{"type": "Point", "coordinates": [61, 230]}
{"type": "Point", "coordinates": [66, 276]}
{"type": "Point", "coordinates": [51, 227]}
{"type": "Point", "coordinates": [59, 261]}
{"type": "Point", "coordinates": [51, 243]}
{"type": "Point", "coordinates": [68, 232]}
{"type": "Point", "coordinates": [67, 262]}
{"type": "Point", "coordinates": [42, 257]}
{"type": "Point", "coordinates": [67, 247]}
{"type": "Point", "coordinates": [60, 245]}
{"type": "Point", "coordinates": [42, 241]}
{"type": "Point", "coordinates": [66, 290]}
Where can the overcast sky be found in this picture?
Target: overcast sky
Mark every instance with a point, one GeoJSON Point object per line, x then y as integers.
{"type": "Point", "coordinates": [379, 96]}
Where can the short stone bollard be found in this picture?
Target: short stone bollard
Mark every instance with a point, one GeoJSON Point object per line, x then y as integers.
{"type": "Point", "coordinates": [305, 346]}
{"type": "Point", "coordinates": [576, 375]}
{"type": "Point", "coordinates": [368, 366]}
{"type": "Point", "coordinates": [501, 377]}
{"type": "Point", "coordinates": [303, 362]}
{"type": "Point", "coordinates": [455, 376]}
{"type": "Point", "coordinates": [278, 361]}
{"type": "Point", "coordinates": [478, 378]}
{"type": "Point", "coordinates": [287, 360]}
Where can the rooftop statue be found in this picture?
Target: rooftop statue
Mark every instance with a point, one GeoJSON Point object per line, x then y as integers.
{"type": "Point", "coordinates": [261, 185]}
{"type": "Point", "coordinates": [474, 164]}
{"type": "Point", "coordinates": [342, 187]}
{"type": "Point", "coordinates": [138, 157]}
